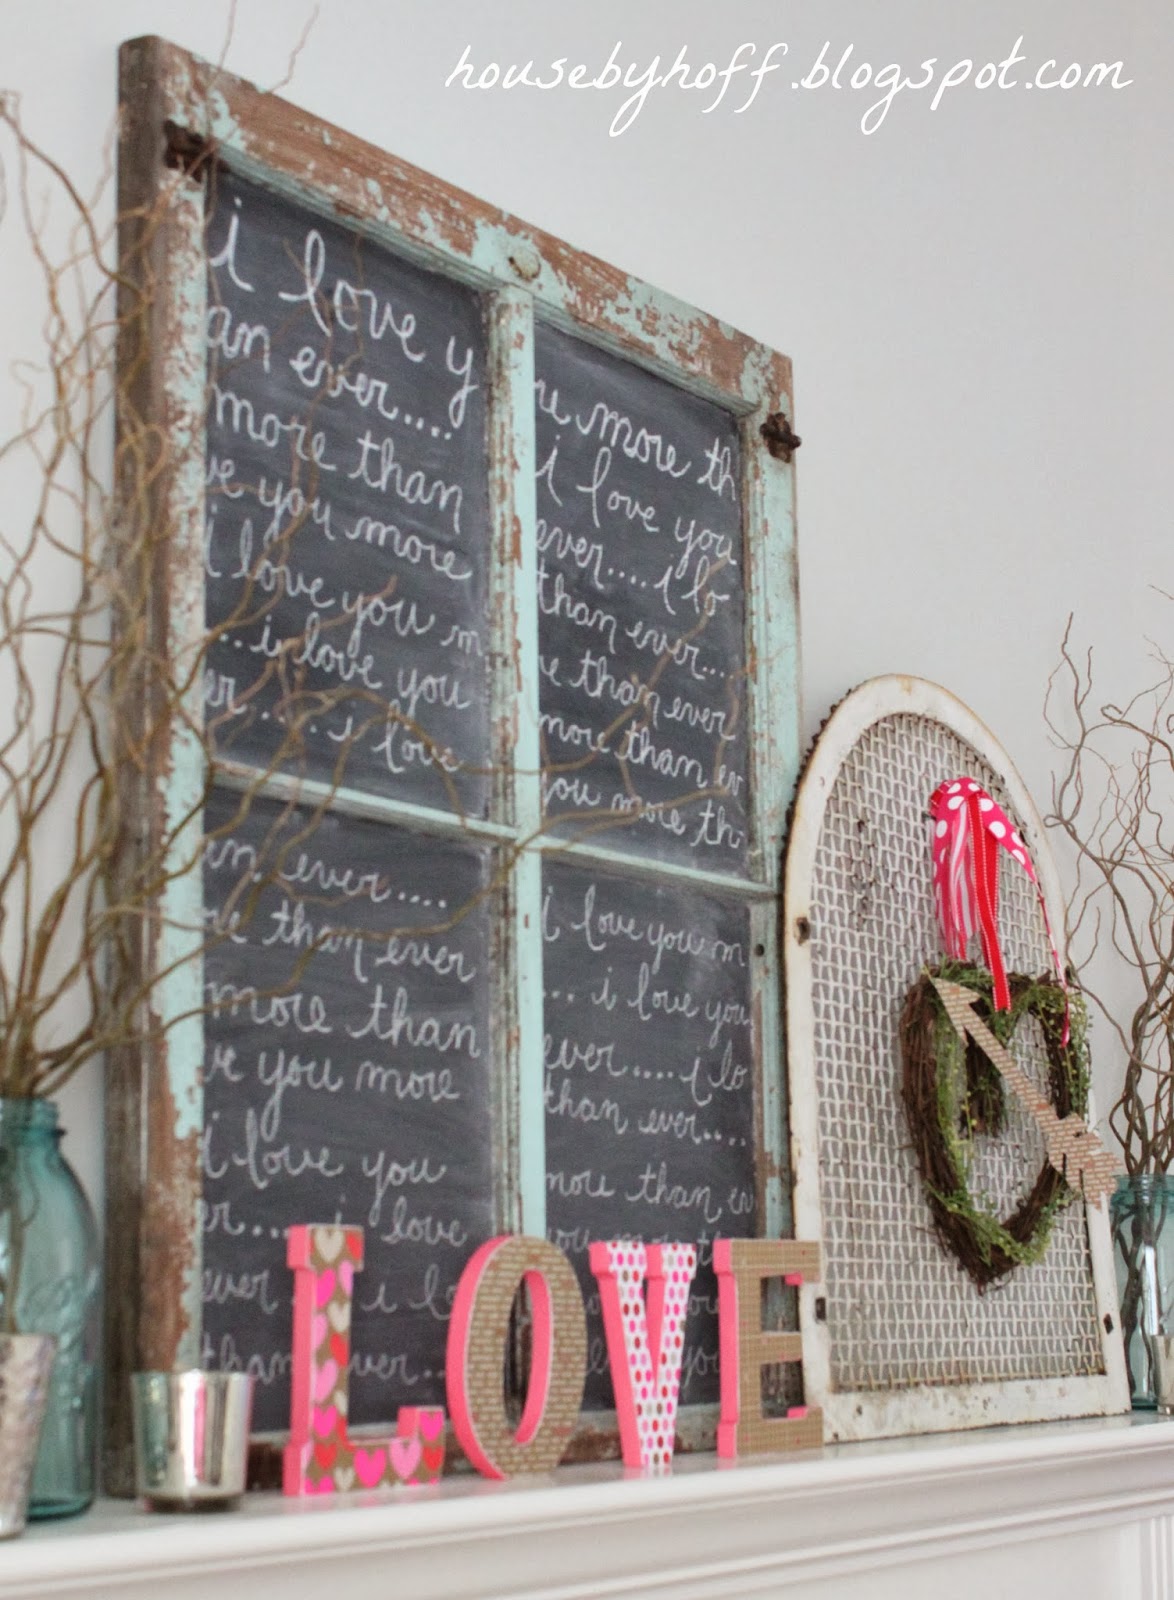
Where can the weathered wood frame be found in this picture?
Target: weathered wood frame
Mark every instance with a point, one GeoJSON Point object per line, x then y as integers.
{"type": "Point", "coordinates": [177, 113]}
{"type": "Point", "coordinates": [877, 1413]}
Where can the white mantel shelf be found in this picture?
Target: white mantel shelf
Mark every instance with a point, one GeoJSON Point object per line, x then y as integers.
{"type": "Point", "coordinates": [1079, 1509]}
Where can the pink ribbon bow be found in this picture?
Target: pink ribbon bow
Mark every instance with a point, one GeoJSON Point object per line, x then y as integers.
{"type": "Point", "coordinates": [969, 828]}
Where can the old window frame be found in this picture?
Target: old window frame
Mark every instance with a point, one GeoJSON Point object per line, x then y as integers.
{"type": "Point", "coordinates": [176, 113]}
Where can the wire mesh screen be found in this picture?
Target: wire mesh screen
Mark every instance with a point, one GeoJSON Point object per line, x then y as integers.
{"type": "Point", "coordinates": [901, 1312]}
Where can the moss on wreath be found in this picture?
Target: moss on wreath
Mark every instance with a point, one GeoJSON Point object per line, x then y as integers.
{"type": "Point", "coordinates": [952, 1093]}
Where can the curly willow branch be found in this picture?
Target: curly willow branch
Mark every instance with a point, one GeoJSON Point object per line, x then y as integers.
{"type": "Point", "coordinates": [1111, 799]}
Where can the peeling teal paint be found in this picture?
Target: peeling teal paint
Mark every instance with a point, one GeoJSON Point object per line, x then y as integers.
{"type": "Point", "coordinates": [426, 219]}
{"type": "Point", "coordinates": [180, 992]}
{"type": "Point", "coordinates": [512, 477]}
{"type": "Point", "coordinates": [774, 710]}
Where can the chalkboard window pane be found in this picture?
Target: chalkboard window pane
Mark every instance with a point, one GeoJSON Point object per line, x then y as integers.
{"type": "Point", "coordinates": [649, 1084]}
{"type": "Point", "coordinates": [348, 1076]}
{"type": "Point", "coordinates": [641, 609]}
{"type": "Point", "coordinates": [347, 504]}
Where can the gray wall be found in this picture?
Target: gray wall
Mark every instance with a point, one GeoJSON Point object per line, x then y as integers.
{"type": "Point", "coordinates": [976, 298]}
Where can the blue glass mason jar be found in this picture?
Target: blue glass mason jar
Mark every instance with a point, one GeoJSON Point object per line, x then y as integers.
{"type": "Point", "coordinates": [49, 1283]}
{"type": "Point", "coordinates": [1142, 1217]}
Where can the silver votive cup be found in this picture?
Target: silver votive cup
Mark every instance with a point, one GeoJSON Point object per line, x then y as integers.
{"type": "Point", "coordinates": [191, 1438]}
{"type": "Point", "coordinates": [26, 1365]}
{"type": "Point", "coordinates": [1162, 1356]}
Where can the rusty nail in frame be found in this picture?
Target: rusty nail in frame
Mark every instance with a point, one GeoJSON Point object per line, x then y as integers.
{"type": "Point", "coordinates": [526, 263]}
{"type": "Point", "coordinates": [780, 440]}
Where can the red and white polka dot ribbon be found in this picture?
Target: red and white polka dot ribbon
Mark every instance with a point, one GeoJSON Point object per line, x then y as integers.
{"type": "Point", "coordinates": [968, 830]}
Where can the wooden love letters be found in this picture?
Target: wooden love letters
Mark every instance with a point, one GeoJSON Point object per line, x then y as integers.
{"type": "Point", "coordinates": [644, 1341]}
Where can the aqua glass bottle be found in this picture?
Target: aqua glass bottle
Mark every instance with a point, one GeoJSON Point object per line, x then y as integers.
{"type": "Point", "coordinates": [1142, 1213]}
{"type": "Point", "coordinates": [49, 1283]}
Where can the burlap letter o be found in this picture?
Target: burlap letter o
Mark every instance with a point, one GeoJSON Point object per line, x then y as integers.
{"type": "Point", "coordinates": [476, 1345]}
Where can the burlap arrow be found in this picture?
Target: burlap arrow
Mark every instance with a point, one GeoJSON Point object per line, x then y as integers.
{"type": "Point", "coordinates": [1073, 1148]}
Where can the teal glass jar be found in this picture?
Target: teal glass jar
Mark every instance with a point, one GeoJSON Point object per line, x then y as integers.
{"type": "Point", "coordinates": [1142, 1216]}
{"type": "Point", "coordinates": [49, 1283]}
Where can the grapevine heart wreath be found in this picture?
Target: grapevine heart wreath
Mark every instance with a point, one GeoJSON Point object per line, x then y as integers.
{"type": "Point", "coordinates": [951, 1091]}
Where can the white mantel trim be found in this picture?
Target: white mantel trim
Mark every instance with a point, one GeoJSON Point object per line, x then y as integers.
{"type": "Point", "coordinates": [745, 1530]}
